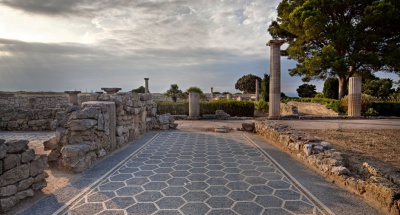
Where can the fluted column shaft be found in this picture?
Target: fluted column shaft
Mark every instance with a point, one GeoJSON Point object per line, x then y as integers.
{"type": "Point", "coordinates": [354, 107]}
{"type": "Point", "coordinates": [275, 78]}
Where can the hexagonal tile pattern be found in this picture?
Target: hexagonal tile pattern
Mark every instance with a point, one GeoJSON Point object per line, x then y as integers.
{"type": "Point", "coordinates": [195, 173]}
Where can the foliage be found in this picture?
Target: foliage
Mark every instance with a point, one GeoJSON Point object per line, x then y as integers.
{"type": "Point", "coordinates": [261, 105]}
{"type": "Point", "coordinates": [174, 92]}
{"type": "Point", "coordinates": [331, 86]}
{"type": "Point", "coordinates": [140, 89]}
{"type": "Point", "coordinates": [371, 112]}
{"type": "Point", "coordinates": [366, 103]}
{"type": "Point", "coordinates": [247, 83]}
{"type": "Point", "coordinates": [195, 90]}
{"type": "Point", "coordinates": [174, 108]}
{"type": "Point", "coordinates": [319, 95]}
{"type": "Point", "coordinates": [378, 87]}
{"type": "Point", "coordinates": [224, 93]}
{"type": "Point", "coordinates": [231, 107]}
{"type": "Point", "coordinates": [307, 90]}
{"type": "Point", "coordinates": [234, 108]}
{"type": "Point", "coordinates": [387, 108]}
{"type": "Point", "coordinates": [339, 38]}
{"type": "Point", "coordinates": [265, 87]}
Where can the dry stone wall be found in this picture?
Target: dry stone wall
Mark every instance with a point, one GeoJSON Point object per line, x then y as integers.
{"type": "Point", "coordinates": [27, 119]}
{"type": "Point", "coordinates": [14, 101]}
{"type": "Point", "coordinates": [101, 126]}
{"type": "Point", "coordinates": [319, 154]}
{"type": "Point", "coordinates": [21, 172]}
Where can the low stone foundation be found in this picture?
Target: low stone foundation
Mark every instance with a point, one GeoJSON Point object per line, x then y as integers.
{"type": "Point", "coordinates": [21, 172]}
{"type": "Point", "coordinates": [319, 154]}
{"type": "Point", "coordinates": [27, 120]}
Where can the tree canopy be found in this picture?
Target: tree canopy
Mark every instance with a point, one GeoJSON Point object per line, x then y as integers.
{"type": "Point", "coordinates": [339, 38]}
{"type": "Point", "coordinates": [378, 87]}
{"type": "Point", "coordinates": [307, 91]}
{"type": "Point", "coordinates": [174, 92]}
{"type": "Point", "coordinates": [140, 89]}
{"type": "Point", "coordinates": [247, 83]}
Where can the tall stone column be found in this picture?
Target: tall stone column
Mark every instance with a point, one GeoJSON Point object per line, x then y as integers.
{"type": "Point", "coordinates": [72, 97]}
{"type": "Point", "coordinates": [146, 85]}
{"type": "Point", "coordinates": [355, 85]}
{"type": "Point", "coordinates": [194, 105]}
{"type": "Point", "coordinates": [212, 93]}
{"type": "Point", "coordinates": [275, 78]}
{"type": "Point", "coordinates": [257, 91]}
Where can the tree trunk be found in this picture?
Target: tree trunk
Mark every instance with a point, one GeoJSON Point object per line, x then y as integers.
{"type": "Point", "coordinates": [342, 87]}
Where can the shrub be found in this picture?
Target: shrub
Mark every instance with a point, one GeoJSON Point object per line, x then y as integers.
{"type": "Point", "coordinates": [261, 105]}
{"type": "Point", "coordinates": [231, 107]}
{"type": "Point", "coordinates": [366, 103]}
{"type": "Point", "coordinates": [174, 108]}
{"type": "Point", "coordinates": [387, 108]}
{"type": "Point", "coordinates": [371, 112]}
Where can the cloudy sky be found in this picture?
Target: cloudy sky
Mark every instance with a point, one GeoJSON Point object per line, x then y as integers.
{"type": "Point", "coordinates": [62, 45]}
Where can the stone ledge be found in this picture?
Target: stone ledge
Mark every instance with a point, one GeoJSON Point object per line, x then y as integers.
{"type": "Point", "coordinates": [319, 155]}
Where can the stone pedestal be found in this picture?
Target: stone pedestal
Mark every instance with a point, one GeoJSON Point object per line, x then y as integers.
{"type": "Point", "coordinates": [72, 97]}
{"type": "Point", "coordinates": [355, 85]}
{"type": "Point", "coordinates": [275, 78]}
{"type": "Point", "coordinates": [257, 91]}
{"type": "Point", "coordinates": [194, 105]}
{"type": "Point", "coordinates": [109, 121]}
{"type": "Point", "coordinates": [228, 96]}
{"type": "Point", "coordinates": [146, 85]}
{"type": "Point", "coordinates": [111, 90]}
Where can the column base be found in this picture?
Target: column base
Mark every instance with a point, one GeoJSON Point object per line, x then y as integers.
{"type": "Point", "coordinates": [274, 117]}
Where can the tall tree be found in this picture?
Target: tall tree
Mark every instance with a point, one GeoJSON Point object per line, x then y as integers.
{"type": "Point", "coordinates": [247, 83]}
{"type": "Point", "coordinates": [378, 87]}
{"type": "Point", "coordinates": [307, 91]}
{"type": "Point", "coordinates": [174, 92]}
{"type": "Point", "coordinates": [265, 88]}
{"type": "Point", "coordinates": [331, 86]}
{"type": "Point", "coordinates": [339, 38]}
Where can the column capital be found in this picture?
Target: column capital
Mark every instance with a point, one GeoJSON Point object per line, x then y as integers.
{"type": "Point", "coordinates": [146, 79]}
{"type": "Point", "coordinates": [275, 42]}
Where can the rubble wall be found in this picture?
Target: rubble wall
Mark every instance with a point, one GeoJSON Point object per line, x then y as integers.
{"type": "Point", "coordinates": [21, 172]}
{"type": "Point", "coordinates": [27, 119]}
{"type": "Point", "coordinates": [319, 154]}
{"type": "Point", "coordinates": [101, 126]}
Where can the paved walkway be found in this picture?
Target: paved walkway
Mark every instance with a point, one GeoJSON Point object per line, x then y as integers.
{"type": "Point", "coordinates": [192, 172]}
{"type": "Point", "coordinates": [195, 173]}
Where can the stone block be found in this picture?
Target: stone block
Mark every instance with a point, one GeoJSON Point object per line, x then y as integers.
{"type": "Point", "coordinates": [81, 124]}
{"type": "Point", "coordinates": [38, 165]}
{"type": "Point", "coordinates": [8, 190]}
{"type": "Point", "coordinates": [8, 203]}
{"type": "Point", "coordinates": [39, 185]}
{"type": "Point", "coordinates": [39, 122]}
{"type": "Point", "coordinates": [71, 151]}
{"type": "Point", "coordinates": [119, 131]}
{"type": "Point", "coordinates": [120, 141]}
{"type": "Point", "coordinates": [101, 153]}
{"type": "Point", "coordinates": [11, 160]}
{"type": "Point", "coordinates": [54, 155]}
{"type": "Point", "coordinates": [3, 150]}
{"type": "Point", "coordinates": [307, 148]}
{"type": "Point", "coordinates": [40, 177]}
{"type": "Point", "coordinates": [54, 124]}
{"type": "Point", "coordinates": [16, 146]}
{"type": "Point", "coordinates": [87, 113]}
{"type": "Point", "coordinates": [23, 194]}
{"type": "Point", "coordinates": [340, 170]}
{"type": "Point", "coordinates": [14, 175]}
{"type": "Point", "coordinates": [50, 144]}
{"type": "Point", "coordinates": [28, 156]}
{"type": "Point", "coordinates": [100, 122]}
{"type": "Point", "coordinates": [173, 125]}
{"type": "Point", "coordinates": [1, 167]}
{"type": "Point", "coordinates": [25, 184]}
{"type": "Point", "coordinates": [248, 126]}
{"type": "Point", "coordinates": [80, 164]}
{"type": "Point", "coordinates": [326, 145]}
